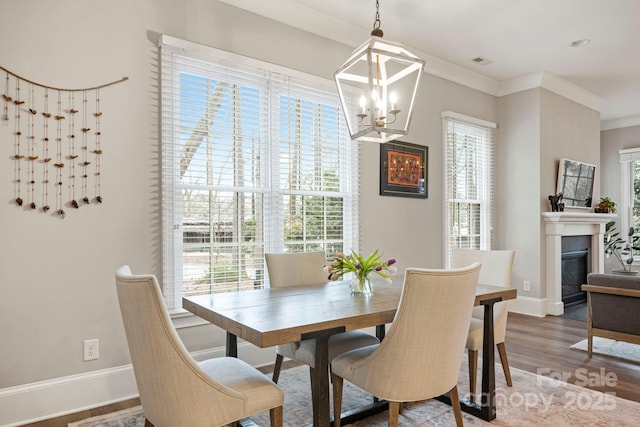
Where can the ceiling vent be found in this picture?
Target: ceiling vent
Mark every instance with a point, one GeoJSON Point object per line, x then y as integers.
{"type": "Point", "coordinates": [482, 61]}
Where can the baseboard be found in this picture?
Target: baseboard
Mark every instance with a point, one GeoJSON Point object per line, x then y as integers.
{"type": "Point", "coordinates": [29, 403]}
{"type": "Point", "coordinates": [530, 306]}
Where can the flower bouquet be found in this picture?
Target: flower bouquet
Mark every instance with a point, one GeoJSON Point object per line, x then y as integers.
{"type": "Point", "coordinates": [362, 268]}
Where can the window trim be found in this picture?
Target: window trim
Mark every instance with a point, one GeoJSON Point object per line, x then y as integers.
{"type": "Point", "coordinates": [171, 206]}
{"type": "Point", "coordinates": [486, 227]}
{"type": "Point", "coordinates": [625, 207]}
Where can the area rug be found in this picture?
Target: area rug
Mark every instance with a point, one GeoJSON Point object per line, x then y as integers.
{"type": "Point", "coordinates": [534, 400]}
{"type": "Point", "coordinates": [131, 417]}
{"type": "Point", "coordinates": [613, 348]}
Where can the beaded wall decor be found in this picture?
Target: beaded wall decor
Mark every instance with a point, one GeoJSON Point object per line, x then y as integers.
{"type": "Point", "coordinates": [57, 143]}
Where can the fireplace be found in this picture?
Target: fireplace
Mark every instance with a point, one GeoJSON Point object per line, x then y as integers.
{"type": "Point", "coordinates": [576, 264]}
{"type": "Point", "coordinates": [588, 225]}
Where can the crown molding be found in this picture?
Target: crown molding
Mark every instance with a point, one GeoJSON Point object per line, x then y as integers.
{"type": "Point", "coordinates": [552, 83]}
{"type": "Point", "coordinates": [624, 122]}
{"type": "Point", "coordinates": [305, 18]}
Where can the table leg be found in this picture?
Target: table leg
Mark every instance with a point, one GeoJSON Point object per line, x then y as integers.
{"type": "Point", "coordinates": [320, 383]}
{"type": "Point", "coordinates": [232, 351]}
{"type": "Point", "coordinates": [488, 399]}
{"type": "Point", "coordinates": [232, 345]}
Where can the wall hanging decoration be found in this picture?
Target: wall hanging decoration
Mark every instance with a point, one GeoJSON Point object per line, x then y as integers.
{"type": "Point", "coordinates": [403, 169]}
{"type": "Point", "coordinates": [69, 172]}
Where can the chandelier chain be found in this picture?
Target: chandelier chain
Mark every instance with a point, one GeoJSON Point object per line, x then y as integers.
{"type": "Point", "coordinates": [376, 23]}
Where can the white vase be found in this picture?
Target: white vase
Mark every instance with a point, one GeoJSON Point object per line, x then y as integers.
{"type": "Point", "coordinates": [361, 286]}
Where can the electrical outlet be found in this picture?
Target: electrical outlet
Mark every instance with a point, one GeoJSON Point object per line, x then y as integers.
{"type": "Point", "coordinates": [91, 349]}
{"type": "Point", "coordinates": [526, 285]}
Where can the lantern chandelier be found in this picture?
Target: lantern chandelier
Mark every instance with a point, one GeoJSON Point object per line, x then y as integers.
{"type": "Point", "coordinates": [384, 77]}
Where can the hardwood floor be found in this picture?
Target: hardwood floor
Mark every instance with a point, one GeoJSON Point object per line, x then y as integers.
{"type": "Point", "coordinates": [541, 346]}
{"type": "Point", "coordinates": [536, 345]}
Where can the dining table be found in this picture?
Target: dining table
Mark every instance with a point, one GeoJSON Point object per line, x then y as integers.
{"type": "Point", "coordinates": [271, 316]}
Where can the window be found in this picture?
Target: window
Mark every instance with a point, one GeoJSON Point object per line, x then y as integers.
{"type": "Point", "coordinates": [468, 208]}
{"type": "Point", "coordinates": [255, 158]}
{"type": "Point", "coordinates": [629, 206]}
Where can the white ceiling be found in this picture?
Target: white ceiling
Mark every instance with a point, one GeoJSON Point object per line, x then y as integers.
{"type": "Point", "coordinates": [521, 37]}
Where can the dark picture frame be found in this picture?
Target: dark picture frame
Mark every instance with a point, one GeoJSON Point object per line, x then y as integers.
{"type": "Point", "coordinates": [404, 169]}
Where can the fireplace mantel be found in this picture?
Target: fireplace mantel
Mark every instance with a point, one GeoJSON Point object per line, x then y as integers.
{"type": "Point", "coordinates": [558, 224]}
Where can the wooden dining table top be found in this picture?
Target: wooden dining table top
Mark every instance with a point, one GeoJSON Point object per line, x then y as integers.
{"type": "Point", "coordinates": [273, 316]}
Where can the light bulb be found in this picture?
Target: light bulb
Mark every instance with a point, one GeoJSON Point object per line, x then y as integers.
{"type": "Point", "coordinates": [393, 98]}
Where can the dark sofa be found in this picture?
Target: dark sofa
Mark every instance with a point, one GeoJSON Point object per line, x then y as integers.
{"type": "Point", "coordinates": [613, 307]}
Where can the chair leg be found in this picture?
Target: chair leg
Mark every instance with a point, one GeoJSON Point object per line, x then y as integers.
{"type": "Point", "coordinates": [394, 410]}
{"type": "Point", "coordinates": [589, 326]}
{"type": "Point", "coordinates": [337, 399]}
{"type": "Point", "coordinates": [147, 423]}
{"type": "Point", "coordinates": [276, 416]}
{"type": "Point", "coordinates": [472, 355]}
{"type": "Point", "coordinates": [455, 404]}
{"type": "Point", "coordinates": [277, 367]}
{"type": "Point", "coordinates": [502, 351]}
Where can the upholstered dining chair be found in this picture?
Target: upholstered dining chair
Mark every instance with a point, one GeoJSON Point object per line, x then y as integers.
{"type": "Point", "coordinates": [306, 269]}
{"type": "Point", "coordinates": [496, 270]}
{"type": "Point", "coordinates": [174, 389]}
{"type": "Point", "coordinates": [415, 363]}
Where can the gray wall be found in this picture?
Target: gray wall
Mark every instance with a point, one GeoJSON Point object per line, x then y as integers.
{"type": "Point", "coordinates": [57, 275]}
{"type": "Point", "coordinates": [537, 128]}
{"type": "Point", "coordinates": [411, 229]}
{"type": "Point", "coordinates": [519, 151]}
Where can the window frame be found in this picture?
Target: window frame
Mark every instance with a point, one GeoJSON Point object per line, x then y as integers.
{"type": "Point", "coordinates": [347, 173]}
{"type": "Point", "coordinates": [627, 158]}
{"type": "Point", "coordinates": [486, 196]}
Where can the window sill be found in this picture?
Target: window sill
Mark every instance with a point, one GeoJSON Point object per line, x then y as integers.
{"type": "Point", "coordinates": [183, 319]}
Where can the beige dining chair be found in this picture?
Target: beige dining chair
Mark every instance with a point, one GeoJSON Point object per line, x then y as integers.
{"type": "Point", "coordinates": [174, 389]}
{"type": "Point", "coordinates": [306, 269]}
{"type": "Point", "coordinates": [415, 363]}
{"type": "Point", "coordinates": [496, 270]}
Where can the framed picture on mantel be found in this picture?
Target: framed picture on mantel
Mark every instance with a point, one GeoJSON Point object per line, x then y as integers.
{"type": "Point", "coordinates": [403, 169]}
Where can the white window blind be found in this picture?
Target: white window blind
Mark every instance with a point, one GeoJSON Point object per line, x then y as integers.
{"type": "Point", "coordinates": [468, 183]}
{"type": "Point", "coordinates": [255, 159]}
{"type": "Point", "coordinates": [629, 206]}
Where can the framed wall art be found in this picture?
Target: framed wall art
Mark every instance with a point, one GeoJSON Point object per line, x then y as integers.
{"type": "Point", "coordinates": [403, 169]}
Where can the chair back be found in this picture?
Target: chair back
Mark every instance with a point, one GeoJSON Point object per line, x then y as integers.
{"type": "Point", "coordinates": [421, 354]}
{"type": "Point", "coordinates": [496, 264]}
{"type": "Point", "coordinates": [296, 269]}
{"type": "Point", "coordinates": [173, 388]}
{"type": "Point", "coordinates": [496, 270]}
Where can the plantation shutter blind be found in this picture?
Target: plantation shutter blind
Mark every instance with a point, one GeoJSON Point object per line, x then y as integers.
{"type": "Point", "coordinates": [254, 160]}
{"type": "Point", "coordinates": [468, 183]}
{"type": "Point", "coordinates": [314, 182]}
